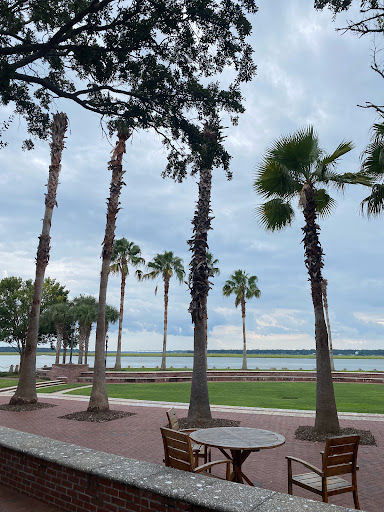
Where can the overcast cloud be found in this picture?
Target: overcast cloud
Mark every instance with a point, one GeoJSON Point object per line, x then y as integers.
{"type": "Point", "coordinates": [307, 74]}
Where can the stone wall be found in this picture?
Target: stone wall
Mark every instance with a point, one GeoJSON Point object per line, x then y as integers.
{"type": "Point", "coordinates": [70, 371]}
{"type": "Point", "coordinates": [77, 479]}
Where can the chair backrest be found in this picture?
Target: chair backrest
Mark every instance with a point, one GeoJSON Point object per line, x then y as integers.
{"type": "Point", "coordinates": [340, 455]}
{"type": "Point", "coordinates": [173, 421]}
{"type": "Point", "coordinates": [177, 450]}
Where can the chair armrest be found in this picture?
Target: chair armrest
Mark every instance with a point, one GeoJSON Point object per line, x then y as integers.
{"type": "Point", "coordinates": [188, 430]}
{"type": "Point", "coordinates": [209, 465]}
{"type": "Point", "coordinates": [306, 464]}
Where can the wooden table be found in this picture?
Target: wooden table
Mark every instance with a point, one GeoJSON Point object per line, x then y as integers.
{"type": "Point", "coordinates": [240, 441]}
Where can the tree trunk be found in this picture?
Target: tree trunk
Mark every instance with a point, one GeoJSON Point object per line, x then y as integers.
{"type": "Point", "coordinates": [122, 293]}
{"type": "Point", "coordinates": [244, 367]}
{"type": "Point", "coordinates": [26, 389]}
{"type": "Point", "coordinates": [64, 352]}
{"type": "Point", "coordinates": [82, 341]}
{"type": "Point", "coordinates": [60, 334]}
{"type": "Point", "coordinates": [206, 331]}
{"type": "Point", "coordinates": [164, 355]}
{"type": "Point", "coordinates": [325, 301]}
{"type": "Point", "coordinates": [326, 411]}
{"type": "Point", "coordinates": [99, 397]}
{"type": "Point", "coordinates": [88, 335]}
{"type": "Point", "coordinates": [199, 408]}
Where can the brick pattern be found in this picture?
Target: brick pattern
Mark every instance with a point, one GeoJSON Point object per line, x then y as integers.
{"type": "Point", "coordinates": [75, 491]}
{"type": "Point", "coordinates": [71, 371]}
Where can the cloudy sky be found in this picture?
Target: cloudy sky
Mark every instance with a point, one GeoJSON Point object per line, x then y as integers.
{"type": "Point", "coordinates": [307, 74]}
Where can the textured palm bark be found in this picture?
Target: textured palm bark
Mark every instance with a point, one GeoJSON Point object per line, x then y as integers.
{"type": "Point", "coordinates": [84, 334]}
{"type": "Point", "coordinates": [64, 353]}
{"type": "Point", "coordinates": [121, 314]}
{"type": "Point", "coordinates": [26, 389]}
{"type": "Point", "coordinates": [164, 355]}
{"type": "Point", "coordinates": [99, 398]}
{"type": "Point", "coordinates": [244, 367]}
{"type": "Point", "coordinates": [325, 301]}
{"type": "Point", "coordinates": [199, 408]}
{"type": "Point", "coordinates": [326, 411]}
{"type": "Point", "coordinates": [60, 334]}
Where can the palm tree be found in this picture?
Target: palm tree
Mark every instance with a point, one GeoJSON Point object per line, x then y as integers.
{"type": "Point", "coordinates": [111, 317]}
{"type": "Point", "coordinates": [165, 265]}
{"type": "Point", "coordinates": [85, 313]}
{"type": "Point", "coordinates": [26, 389]}
{"type": "Point", "coordinates": [295, 167]}
{"type": "Point", "coordinates": [243, 287]}
{"type": "Point", "coordinates": [98, 401]}
{"type": "Point", "coordinates": [124, 254]}
{"type": "Point", "coordinates": [60, 315]}
{"type": "Point", "coordinates": [324, 286]}
{"type": "Point", "coordinates": [373, 166]}
{"type": "Point", "coordinates": [213, 271]}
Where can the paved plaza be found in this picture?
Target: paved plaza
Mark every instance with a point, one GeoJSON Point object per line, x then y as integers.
{"type": "Point", "coordinates": [138, 437]}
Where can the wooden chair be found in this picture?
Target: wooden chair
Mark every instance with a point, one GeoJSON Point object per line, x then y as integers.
{"type": "Point", "coordinates": [339, 458]}
{"type": "Point", "coordinates": [204, 452]}
{"type": "Point", "coordinates": [179, 454]}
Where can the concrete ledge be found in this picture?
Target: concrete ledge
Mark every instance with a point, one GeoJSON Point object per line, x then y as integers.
{"type": "Point", "coordinates": [83, 480]}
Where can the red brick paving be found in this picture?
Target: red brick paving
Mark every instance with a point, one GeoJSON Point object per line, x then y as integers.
{"type": "Point", "coordinates": [139, 437]}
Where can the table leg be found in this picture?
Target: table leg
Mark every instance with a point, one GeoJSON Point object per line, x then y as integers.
{"type": "Point", "coordinates": [238, 458]}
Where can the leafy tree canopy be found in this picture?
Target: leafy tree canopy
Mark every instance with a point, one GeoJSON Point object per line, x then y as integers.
{"type": "Point", "coordinates": [15, 304]}
{"type": "Point", "coordinates": [148, 62]}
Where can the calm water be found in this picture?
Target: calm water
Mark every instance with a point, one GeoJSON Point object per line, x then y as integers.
{"type": "Point", "coordinates": [213, 362]}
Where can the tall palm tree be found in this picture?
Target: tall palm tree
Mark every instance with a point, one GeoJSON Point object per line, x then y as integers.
{"type": "Point", "coordinates": [165, 265]}
{"type": "Point", "coordinates": [124, 254]}
{"type": "Point", "coordinates": [99, 397]}
{"type": "Point", "coordinates": [26, 388]}
{"type": "Point", "coordinates": [213, 271]}
{"type": "Point", "coordinates": [60, 315]}
{"type": "Point", "coordinates": [324, 286]}
{"type": "Point", "coordinates": [295, 167]}
{"type": "Point", "coordinates": [85, 313]}
{"type": "Point", "coordinates": [373, 166]}
{"type": "Point", "coordinates": [111, 317]}
{"type": "Point", "coordinates": [243, 287]}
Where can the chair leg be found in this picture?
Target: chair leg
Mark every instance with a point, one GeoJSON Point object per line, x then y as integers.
{"type": "Point", "coordinates": [290, 477]}
{"type": "Point", "coordinates": [356, 499]}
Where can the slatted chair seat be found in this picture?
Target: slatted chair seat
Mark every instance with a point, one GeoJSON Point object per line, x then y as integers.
{"type": "Point", "coordinates": [338, 458]}
{"type": "Point", "coordinates": [200, 451]}
{"type": "Point", "coordinates": [179, 455]}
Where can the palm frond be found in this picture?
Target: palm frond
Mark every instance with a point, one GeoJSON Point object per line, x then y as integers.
{"type": "Point", "coordinates": [274, 214]}
{"type": "Point", "coordinates": [343, 148]}
{"type": "Point", "coordinates": [373, 205]}
{"type": "Point", "coordinates": [274, 180]}
{"type": "Point", "coordinates": [324, 202]}
{"type": "Point", "coordinates": [373, 159]}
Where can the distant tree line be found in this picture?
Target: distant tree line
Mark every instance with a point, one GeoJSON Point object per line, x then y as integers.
{"type": "Point", "coordinates": [301, 352]}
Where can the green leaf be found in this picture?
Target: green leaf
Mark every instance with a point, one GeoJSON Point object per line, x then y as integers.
{"type": "Point", "coordinates": [275, 214]}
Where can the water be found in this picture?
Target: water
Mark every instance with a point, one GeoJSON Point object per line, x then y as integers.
{"type": "Point", "coordinates": [264, 363]}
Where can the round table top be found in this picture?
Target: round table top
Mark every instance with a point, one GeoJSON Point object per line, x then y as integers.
{"type": "Point", "coordinates": [238, 438]}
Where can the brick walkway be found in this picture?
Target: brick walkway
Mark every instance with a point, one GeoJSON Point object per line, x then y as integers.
{"type": "Point", "coordinates": [139, 437]}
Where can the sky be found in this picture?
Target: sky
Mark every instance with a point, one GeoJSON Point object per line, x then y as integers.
{"type": "Point", "coordinates": [307, 73]}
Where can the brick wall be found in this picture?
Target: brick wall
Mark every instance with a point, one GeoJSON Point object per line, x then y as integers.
{"type": "Point", "coordinates": [77, 479]}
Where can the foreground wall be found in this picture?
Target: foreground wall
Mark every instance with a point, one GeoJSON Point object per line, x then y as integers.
{"type": "Point", "coordinates": [77, 479]}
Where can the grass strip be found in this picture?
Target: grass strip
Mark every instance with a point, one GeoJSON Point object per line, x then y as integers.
{"type": "Point", "coordinates": [350, 397]}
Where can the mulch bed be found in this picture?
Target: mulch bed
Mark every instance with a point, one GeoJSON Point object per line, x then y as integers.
{"type": "Point", "coordinates": [26, 407]}
{"type": "Point", "coordinates": [214, 422]}
{"type": "Point", "coordinates": [99, 417]}
{"type": "Point", "coordinates": [308, 433]}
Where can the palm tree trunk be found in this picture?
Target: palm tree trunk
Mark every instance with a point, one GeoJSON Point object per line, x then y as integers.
{"type": "Point", "coordinates": [82, 340]}
{"type": "Point", "coordinates": [326, 411]}
{"type": "Point", "coordinates": [60, 334]}
{"type": "Point", "coordinates": [64, 352]}
{"type": "Point", "coordinates": [26, 389]}
{"type": "Point", "coordinates": [325, 301]}
{"type": "Point", "coordinates": [244, 367]}
{"type": "Point", "coordinates": [199, 408]}
{"type": "Point", "coordinates": [122, 293]}
{"type": "Point", "coordinates": [164, 356]}
{"type": "Point", "coordinates": [86, 347]}
{"type": "Point", "coordinates": [99, 397]}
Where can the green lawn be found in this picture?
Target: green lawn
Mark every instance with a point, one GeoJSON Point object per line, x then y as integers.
{"type": "Point", "coordinates": [278, 395]}
{"type": "Point", "coordinates": [6, 383]}
{"type": "Point", "coordinates": [59, 387]}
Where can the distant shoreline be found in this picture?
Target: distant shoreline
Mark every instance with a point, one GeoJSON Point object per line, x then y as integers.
{"type": "Point", "coordinates": [190, 354]}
